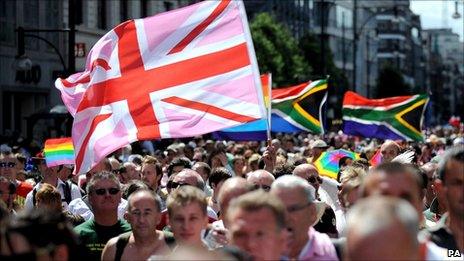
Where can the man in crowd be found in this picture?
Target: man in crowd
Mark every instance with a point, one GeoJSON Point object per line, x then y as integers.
{"type": "Point", "coordinates": [104, 192]}
{"type": "Point", "coordinates": [396, 180]}
{"type": "Point", "coordinates": [389, 150]}
{"type": "Point", "coordinates": [317, 147]}
{"type": "Point", "coordinates": [450, 230]}
{"type": "Point", "coordinates": [257, 225]}
{"type": "Point", "coordinates": [9, 170]}
{"type": "Point", "coordinates": [305, 243]}
{"type": "Point", "coordinates": [128, 172]}
{"type": "Point", "coordinates": [382, 228]}
{"type": "Point", "coordinates": [400, 181]}
{"type": "Point", "coordinates": [143, 214]}
{"type": "Point", "coordinates": [231, 189]}
{"type": "Point", "coordinates": [68, 190]}
{"type": "Point", "coordinates": [260, 179]}
{"type": "Point", "coordinates": [430, 170]}
{"type": "Point", "coordinates": [151, 174]}
{"type": "Point", "coordinates": [7, 193]}
{"type": "Point", "coordinates": [204, 170]}
{"type": "Point", "coordinates": [187, 215]}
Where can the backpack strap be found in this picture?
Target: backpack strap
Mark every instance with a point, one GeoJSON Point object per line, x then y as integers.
{"type": "Point", "coordinates": [121, 244]}
{"type": "Point", "coordinates": [34, 191]}
{"type": "Point", "coordinates": [86, 201]}
{"type": "Point", "coordinates": [67, 191]}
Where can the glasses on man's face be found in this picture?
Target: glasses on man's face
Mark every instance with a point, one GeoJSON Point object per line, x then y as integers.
{"type": "Point", "coordinates": [102, 191]}
{"type": "Point", "coordinates": [263, 187]}
{"type": "Point", "coordinates": [174, 185]}
{"type": "Point", "coordinates": [8, 165]}
{"type": "Point", "coordinates": [314, 179]}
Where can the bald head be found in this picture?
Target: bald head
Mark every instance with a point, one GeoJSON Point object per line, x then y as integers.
{"type": "Point", "coordinates": [144, 195]}
{"type": "Point", "coordinates": [389, 150]}
{"type": "Point", "coordinates": [190, 177]}
{"type": "Point", "coordinates": [261, 179]}
{"type": "Point", "coordinates": [231, 188]}
{"type": "Point", "coordinates": [309, 173]}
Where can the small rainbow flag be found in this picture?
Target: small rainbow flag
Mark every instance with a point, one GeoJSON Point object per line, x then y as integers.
{"type": "Point", "coordinates": [376, 159]}
{"type": "Point", "coordinates": [59, 152]}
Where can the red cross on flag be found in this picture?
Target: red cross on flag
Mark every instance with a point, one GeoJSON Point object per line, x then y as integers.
{"type": "Point", "coordinates": [181, 73]}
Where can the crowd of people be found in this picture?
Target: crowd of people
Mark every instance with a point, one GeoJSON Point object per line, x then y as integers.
{"type": "Point", "coordinates": [203, 199]}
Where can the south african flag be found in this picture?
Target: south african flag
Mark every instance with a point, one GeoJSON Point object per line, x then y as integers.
{"type": "Point", "coordinates": [396, 118]}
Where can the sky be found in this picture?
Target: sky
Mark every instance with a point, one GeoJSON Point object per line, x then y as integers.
{"type": "Point", "coordinates": [432, 11]}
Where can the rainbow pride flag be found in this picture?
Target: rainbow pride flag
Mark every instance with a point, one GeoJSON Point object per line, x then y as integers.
{"type": "Point", "coordinates": [376, 159]}
{"type": "Point", "coordinates": [59, 152]}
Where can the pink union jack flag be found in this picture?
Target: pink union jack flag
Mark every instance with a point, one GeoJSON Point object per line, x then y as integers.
{"type": "Point", "coordinates": [181, 73]}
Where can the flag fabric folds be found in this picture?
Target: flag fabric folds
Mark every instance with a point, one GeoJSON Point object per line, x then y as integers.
{"type": "Point", "coordinates": [166, 76]}
{"type": "Point", "coordinates": [396, 118]}
{"type": "Point", "coordinates": [294, 109]}
{"type": "Point", "coordinates": [59, 152]}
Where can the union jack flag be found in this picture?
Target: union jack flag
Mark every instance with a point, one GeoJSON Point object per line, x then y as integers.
{"type": "Point", "coordinates": [181, 73]}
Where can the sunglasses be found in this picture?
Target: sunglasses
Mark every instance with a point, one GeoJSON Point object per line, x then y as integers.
{"type": "Point", "coordinates": [7, 164]}
{"type": "Point", "coordinates": [174, 185]}
{"type": "Point", "coordinates": [313, 179]}
{"type": "Point", "coordinates": [102, 191]}
{"type": "Point", "coordinates": [263, 187]}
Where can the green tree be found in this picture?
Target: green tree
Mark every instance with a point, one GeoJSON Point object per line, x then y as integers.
{"type": "Point", "coordinates": [338, 82]}
{"type": "Point", "coordinates": [391, 83]}
{"type": "Point", "coordinates": [277, 51]}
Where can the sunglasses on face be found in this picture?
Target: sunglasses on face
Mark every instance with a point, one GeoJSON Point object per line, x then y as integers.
{"type": "Point", "coordinates": [313, 179]}
{"type": "Point", "coordinates": [263, 187]}
{"type": "Point", "coordinates": [102, 191]}
{"type": "Point", "coordinates": [7, 164]}
{"type": "Point", "coordinates": [174, 185]}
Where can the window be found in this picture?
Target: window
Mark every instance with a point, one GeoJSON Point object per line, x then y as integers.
{"type": "Point", "coordinates": [168, 6]}
{"type": "Point", "coordinates": [123, 10]}
{"type": "Point", "coordinates": [31, 20]}
{"type": "Point", "coordinates": [344, 15]}
{"type": "Point", "coordinates": [7, 21]}
{"type": "Point", "coordinates": [144, 8]}
{"type": "Point", "coordinates": [101, 14]}
{"type": "Point", "coordinates": [51, 21]}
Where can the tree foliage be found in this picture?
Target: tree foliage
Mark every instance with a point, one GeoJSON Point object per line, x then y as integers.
{"type": "Point", "coordinates": [391, 83]}
{"type": "Point", "coordinates": [277, 51]}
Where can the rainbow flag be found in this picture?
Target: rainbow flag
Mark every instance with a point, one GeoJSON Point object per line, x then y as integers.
{"type": "Point", "coordinates": [376, 158]}
{"type": "Point", "coordinates": [59, 152]}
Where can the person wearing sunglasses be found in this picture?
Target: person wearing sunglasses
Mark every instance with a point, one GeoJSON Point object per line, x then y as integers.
{"type": "Point", "coordinates": [260, 179]}
{"type": "Point", "coordinates": [305, 243]}
{"type": "Point", "coordinates": [104, 194]}
{"type": "Point", "coordinates": [9, 168]}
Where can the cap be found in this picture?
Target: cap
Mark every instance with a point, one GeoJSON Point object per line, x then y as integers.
{"type": "Point", "coordinates": [319, 144]}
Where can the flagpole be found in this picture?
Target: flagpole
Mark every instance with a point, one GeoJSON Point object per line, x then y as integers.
{"type": "Point", "coordinates": [268, 106]}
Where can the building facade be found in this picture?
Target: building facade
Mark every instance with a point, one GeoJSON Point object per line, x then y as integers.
{"type": "Point", "coordinates": [26, 91]}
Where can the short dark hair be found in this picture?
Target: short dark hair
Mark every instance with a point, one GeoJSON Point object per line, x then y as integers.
{"type": "Point", "coordinates": [218, 175]}
{"type": "Point", "coordinates": [179, 161]}
{"type": "Point", "coordinates": [455, 153]}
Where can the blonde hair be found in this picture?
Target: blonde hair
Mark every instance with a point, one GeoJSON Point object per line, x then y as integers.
{"type": "Point", "coordinates": [184, 195]}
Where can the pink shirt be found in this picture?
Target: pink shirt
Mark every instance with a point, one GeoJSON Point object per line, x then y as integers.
{"type": "Point", "coordinates": [319, 247]}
